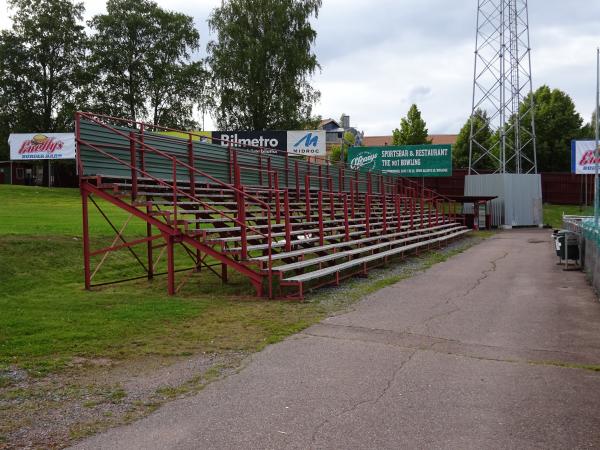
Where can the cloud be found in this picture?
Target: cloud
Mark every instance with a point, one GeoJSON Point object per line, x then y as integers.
{"type": "Point", "coordinates": [379, 56]}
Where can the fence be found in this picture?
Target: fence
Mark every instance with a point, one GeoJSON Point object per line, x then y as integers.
{"type": "Point", "coordinates": [558, 188]}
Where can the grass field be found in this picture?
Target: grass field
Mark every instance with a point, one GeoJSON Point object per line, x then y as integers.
{"type": "Point", "coordinates": [48, 318]}
{"type": "Point", "coordinates": [553, 213]}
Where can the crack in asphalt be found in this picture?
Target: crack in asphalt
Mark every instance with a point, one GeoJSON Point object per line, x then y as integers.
{"type": "Point", "coordinates": [486, 273]}
{"type": "Point", "coordinates": [358, 404]}
{"type": "Point", "coordinates": [432, 347]}
{"type": "Point", "coordinates": [439, 339]}
{"type": "Point", "coordinates": [483, 275]}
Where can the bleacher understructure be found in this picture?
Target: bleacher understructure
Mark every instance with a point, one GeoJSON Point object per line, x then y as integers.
{"type": "Point", "coordinates": [285, 223]}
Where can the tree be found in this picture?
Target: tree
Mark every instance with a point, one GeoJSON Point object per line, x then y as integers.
{"type": "Point", "coordinates": [261, 63]}
{"type": "Point", "coordinates": [39, 65]}
{"type": "Point", "coordinates": [484, 138]}
{"type": "Point", "coordinates": [340, 152]}
{"type": "Point", "coordinates": [588, 131]}
{"type": "Point", "coordinates": [141, 61]}
{"type": "Point", "coordinates": [413, 129]}
{"type": "Point", "coordinates": [556, 124]}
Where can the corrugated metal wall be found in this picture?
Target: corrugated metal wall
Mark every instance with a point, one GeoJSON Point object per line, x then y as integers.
{"type": "Point", "coordinates": [211, 159]}
{"type": "Point", "coordinates": [519, 201]}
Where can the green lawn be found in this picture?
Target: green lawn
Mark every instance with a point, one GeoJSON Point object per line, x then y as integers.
{"type": "Point", "coordinates": [553, 213]}
{"type": "Point", "coordinates": [47, 317]}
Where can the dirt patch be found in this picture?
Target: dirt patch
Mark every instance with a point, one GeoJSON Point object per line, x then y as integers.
{"type": "Point", "coordinates": [94, 395]}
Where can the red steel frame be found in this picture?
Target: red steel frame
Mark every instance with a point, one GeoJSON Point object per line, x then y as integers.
{"type": "Point", "coordinates": [402, 193]}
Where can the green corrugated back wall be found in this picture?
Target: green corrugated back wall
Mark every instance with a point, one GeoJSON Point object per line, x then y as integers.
{"type": "Point", "coordinates": [211, 159]}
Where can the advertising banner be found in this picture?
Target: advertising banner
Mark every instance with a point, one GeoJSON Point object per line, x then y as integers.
{"type": "Point", "coordinates": [582, 157]}
{"type": "Point", "coordinates": [31, 146]}
{"type": "Point", "coordinates": [405, 160]}
{"type": "Point", "coordinates": [306, 142]}
{"type": "Point", "coordinates": [273, 141]}
{"type": "Point", "coordinates": [299, 142]}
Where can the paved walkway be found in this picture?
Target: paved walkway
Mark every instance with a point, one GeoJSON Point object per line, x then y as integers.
{"type": "Point", "coordinates": [466, 355]}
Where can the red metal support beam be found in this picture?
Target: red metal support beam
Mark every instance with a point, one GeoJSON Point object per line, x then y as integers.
{"type": "Point", "coordinates": [288, 224]}
{"type": "Point", "coordinates": [352, 198]}
{"type": "Point", "coordinates": [277, 198]}
{"type": "Point", "coordinates": [190, 150]}
{"type": "Point", "coordinates": [331, 206]}
{"type": "Point", "coordinates": [86, 239]}
{"type": "Point", "coordinates": [429, 212]}
{"type": "Point", "coordinates": [297, 178]}
{"type": "Point", "coordinates": [287, 170]}
{"type": "Point", "coordinates": [125, 244]}
{"type": "Point", "coordinates": [170, 265]}
{"type": "Point", "coordinates": [175, 193]}
{"type": "Point", "coordinates": [320, 175]}
{"type": "Point", "coordinates": [307, 196]}
{"type": "Point", "coordinates": [346, 221]}
{"type": "Point", "coordinates": [384, 205]}
{"type": "Point", "coordinates": [321, 227]}
{"type": "Point", "coordinates": [149, 255]}
{"type": "Point", "coordinates": [368, 215]}
{"type": "Point", "coordinates": [398, 201]}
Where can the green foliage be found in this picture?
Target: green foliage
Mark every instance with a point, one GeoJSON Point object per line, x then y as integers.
{"type": "Point", "coordinates": [340, 152]}
{"type": "Point", "coordinates": [140, 63]}
{"type": "Point", "coordinates": [553, 213]}
{"type": "Point", "coordinates": [261, 63]}
{"type": "Point", "coordinates": [588, 131]}
{"type": "Point", "coordinates": [40, 59]}
{"type": "Point", "coordinates": [413, 129]}
{"type": "Point", "coordinates": [556, 124]}
{"type": "Point", "coordinates": [484, 138]}
{"type": "Point", "coordinates": [311, 123]}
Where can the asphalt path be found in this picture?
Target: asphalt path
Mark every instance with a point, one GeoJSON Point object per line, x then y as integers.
{"type": "Point", "coordinates": [493, 348]}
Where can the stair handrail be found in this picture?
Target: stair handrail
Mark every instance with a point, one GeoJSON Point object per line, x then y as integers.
{"type": "Point", "coordinates": [176, 161]}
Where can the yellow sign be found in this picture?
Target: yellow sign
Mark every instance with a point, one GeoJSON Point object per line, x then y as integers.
{"type": "Point", "coordinates": [196, 135]}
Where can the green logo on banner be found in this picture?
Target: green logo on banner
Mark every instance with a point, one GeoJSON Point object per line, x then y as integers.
{"type": "Point", "coordinates": [406, 160]}
{"type": "Point", "coordinates": [365, 160]}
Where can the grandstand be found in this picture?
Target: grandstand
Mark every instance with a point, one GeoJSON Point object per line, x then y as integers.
{"type": "Point", "coordinates": [285, 223]}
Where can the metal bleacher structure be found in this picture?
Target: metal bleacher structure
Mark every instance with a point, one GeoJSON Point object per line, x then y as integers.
{"type": "Point", "coordinates": [285, 223]}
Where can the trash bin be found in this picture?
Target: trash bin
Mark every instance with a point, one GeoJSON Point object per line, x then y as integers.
{"type": "Point", "coordinates": [572, 243]}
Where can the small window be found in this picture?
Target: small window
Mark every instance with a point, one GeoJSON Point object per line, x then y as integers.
{"type": "Point", "coordinates": [19, 173]}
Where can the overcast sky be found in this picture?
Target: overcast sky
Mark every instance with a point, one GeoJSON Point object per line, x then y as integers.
{"type": "Point", "coordinates": [379, 56]}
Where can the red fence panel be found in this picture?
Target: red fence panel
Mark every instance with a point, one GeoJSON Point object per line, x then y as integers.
{"type": "Point", "coordinates": [557, 187]}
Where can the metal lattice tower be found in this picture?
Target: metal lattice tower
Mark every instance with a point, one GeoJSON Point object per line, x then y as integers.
{"type": "Point", "coordinates": [502, 88]}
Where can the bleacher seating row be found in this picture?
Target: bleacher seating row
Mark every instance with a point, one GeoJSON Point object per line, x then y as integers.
{"type": "Point", "coordinates": [287, 224]}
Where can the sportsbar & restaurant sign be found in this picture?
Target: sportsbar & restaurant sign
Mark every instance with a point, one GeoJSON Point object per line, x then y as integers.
{"type": "Point", "coordinates": [31, 146]}
{"type": "Point", "coordinates": [406, 160]}
{"type": "Point", "coordinates": [583, 160]}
